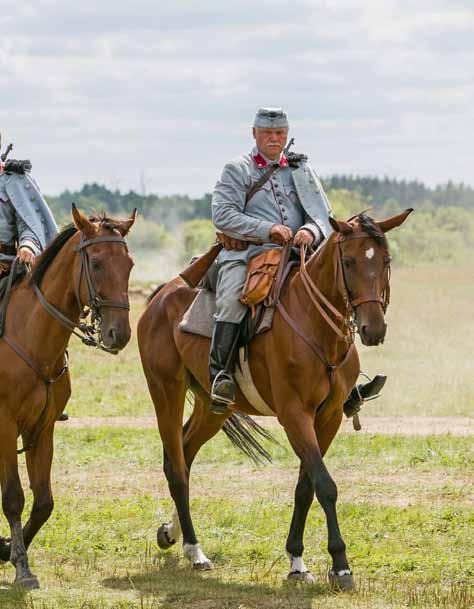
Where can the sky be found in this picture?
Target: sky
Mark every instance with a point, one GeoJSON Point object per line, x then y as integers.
{"type": "Point", "coordinates": [157, 97]}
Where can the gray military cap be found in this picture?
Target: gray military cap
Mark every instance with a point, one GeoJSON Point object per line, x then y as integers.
{"type": "Point", "coordinates": [271, 118]}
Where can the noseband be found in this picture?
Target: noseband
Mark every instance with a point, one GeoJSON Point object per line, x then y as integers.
{"type": "Point", "coordinates": [88, 333]}
{"type": "Point", "coordinates": [351, 304]}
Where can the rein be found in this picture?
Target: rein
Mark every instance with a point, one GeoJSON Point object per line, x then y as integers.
{"type": "Point", "coordinates": [88, 333]}
{"type": "Point", "coordinates": [326, 308]}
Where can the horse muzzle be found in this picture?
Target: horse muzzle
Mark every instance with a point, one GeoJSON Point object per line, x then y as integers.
{"type": "Point", "coordinates": [371, 324]}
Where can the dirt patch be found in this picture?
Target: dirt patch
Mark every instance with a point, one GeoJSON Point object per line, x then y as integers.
{"type": "Point", "coordinates": [417, 426]}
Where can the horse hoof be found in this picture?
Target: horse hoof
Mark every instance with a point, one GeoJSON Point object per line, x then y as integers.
{"type": "Point", "coordinates": [203, 566]}
{"type": "Point", "coordinates": [297, 576]}
{"type": "Point", "coordinates": [341, 581]}
{"type": "Point", "coordinates": [163, 539]}
{"type": "Point", "coordinates": [28, 583]}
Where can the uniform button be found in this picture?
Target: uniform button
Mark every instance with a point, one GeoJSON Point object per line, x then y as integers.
{"type": "Point", "coordinates": [42, 220]}
{"type": "Point", "coordinates": [283, 209]}
{"type": "Point", "coordinates": [32, 197]}
{"type": "Point", "coordinates": [27, 186]}
{"type": "Point", "coordinates": [285, 218]}
{"type": "Point", "coordinates": [37, 209]}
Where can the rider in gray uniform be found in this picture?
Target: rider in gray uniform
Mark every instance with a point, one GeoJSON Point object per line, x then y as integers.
{"type": "Point", "coordinates": [291, 204]}
{"type": "Point", "coordinates": [26, 222]}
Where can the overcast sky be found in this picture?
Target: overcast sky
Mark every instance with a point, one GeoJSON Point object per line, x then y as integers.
{"type": "Point", "coordinates": [109, 92]}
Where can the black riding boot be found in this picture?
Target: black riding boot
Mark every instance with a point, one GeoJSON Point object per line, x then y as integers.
{"type": "Point", "coordinates": [224, 339]}
{"type": "Point", "coordinates": [361, 392]}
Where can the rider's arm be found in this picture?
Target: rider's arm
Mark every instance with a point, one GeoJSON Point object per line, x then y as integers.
{"type": "Point", "coordinates": [228, 202]}
{"type": "Point", "coordinates": [26, 237]}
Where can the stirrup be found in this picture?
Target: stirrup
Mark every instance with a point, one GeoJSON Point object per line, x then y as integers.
{"type": "Point", "coordinates": [219, 402]}
{"type": "Point", "coordinates": [360, 394]}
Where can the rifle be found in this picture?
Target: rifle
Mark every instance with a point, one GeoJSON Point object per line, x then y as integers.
{"type": "Point", "coordinates": [7, 152]}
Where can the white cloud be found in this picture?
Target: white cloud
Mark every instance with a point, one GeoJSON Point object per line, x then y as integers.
{"type": "Point", "coordinates": [103, 91]}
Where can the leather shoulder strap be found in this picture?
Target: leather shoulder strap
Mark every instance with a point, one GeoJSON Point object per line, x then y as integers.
{"type": "Point", "coordinates": [260, 182]}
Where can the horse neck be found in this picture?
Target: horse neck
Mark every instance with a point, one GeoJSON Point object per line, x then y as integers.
{"type": "Point", "coordinates": [322, 270]}
{"type": "Point", "coordinates": [43, 336]}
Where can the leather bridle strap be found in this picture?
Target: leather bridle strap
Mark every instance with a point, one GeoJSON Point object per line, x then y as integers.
{"type": "Point", "coordinates": [316, 295]}
{"type": "Point", "coordinates": [95, 302]}
{"type": "Point", "coordinates": [341, 278]}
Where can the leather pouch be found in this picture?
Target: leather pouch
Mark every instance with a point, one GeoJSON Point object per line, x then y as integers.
{"type": "Point", "coordinates": [261, 272]}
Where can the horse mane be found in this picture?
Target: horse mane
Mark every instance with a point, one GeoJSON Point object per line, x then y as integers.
{"type": "Point", "coordinates": [368, 225]}
{"type": "Point", "coordinates": [154, 293]}
{"type": "Point", "coordinates": [44, 260]}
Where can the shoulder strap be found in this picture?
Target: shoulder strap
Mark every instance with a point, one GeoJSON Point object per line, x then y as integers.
{"type": "Point", "coordinates": [260, 182]}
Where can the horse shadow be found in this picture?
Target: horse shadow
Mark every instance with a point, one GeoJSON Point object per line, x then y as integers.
{"type": "Point", "coordinates": [179, 586]}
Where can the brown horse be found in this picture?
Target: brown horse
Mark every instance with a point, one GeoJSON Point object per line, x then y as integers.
{"type": "Point", "coordinates": [304, 368]}
{"type": "Point", "coordinates": [87, 265]}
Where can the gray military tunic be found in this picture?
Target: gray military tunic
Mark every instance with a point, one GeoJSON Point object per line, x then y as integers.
{"type": "Point", "coordinates": [25, 217]}
{"type": "Point", "coordinates": [293, 199]}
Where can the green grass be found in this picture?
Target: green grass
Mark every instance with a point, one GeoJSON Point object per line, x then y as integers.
{"type": "Point", "coordinates": [405, 509]}
{"type": "Point", "coordinates": [427, 354]}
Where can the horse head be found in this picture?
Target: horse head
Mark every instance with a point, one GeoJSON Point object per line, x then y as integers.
{"type": "Point", "coordinates": [102, 272]}
{"type": "Point", "coordinates": [363, 271]}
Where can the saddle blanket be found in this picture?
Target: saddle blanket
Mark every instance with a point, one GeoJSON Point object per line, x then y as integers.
{"type": "Point", "coordinates": [199, 317]}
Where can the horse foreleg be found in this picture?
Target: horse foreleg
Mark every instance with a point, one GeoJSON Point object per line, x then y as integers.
{"type": "Point", "coordinates": [13, 502]}
{"type": "Point", "coordinates": [304, 494]}
{"type": "Point", "coordinates": [38, 462]}
{"type": "Point", "coordinates": [302, 436]}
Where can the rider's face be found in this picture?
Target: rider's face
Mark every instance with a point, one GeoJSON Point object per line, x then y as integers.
{"type": "Point", "coordinates": [270, 142]}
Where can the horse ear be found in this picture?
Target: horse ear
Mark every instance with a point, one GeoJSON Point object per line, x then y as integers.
{"type": "Point", "coordinates": [339, 226]}
{"type": "Point", "coordinates": [82, 223]}
{"type": "Point", "coordinates": [394, 221]}
{"type": "Point", "coordinates": [125, 225]}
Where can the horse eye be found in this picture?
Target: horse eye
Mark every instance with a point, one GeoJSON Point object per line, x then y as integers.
{"type": "Point", "coordinates": [96, 264]}
{"type": "Point", "coordinates": [348, 262]}
{"type": "Point", "coordinates": [387, 259]}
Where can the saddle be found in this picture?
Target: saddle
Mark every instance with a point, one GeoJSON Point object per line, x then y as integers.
{"type": "Point", "coordinates": [266, 276]}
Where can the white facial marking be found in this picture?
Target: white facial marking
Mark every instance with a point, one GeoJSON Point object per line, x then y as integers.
{"type": "Point", "coordinates": [369, 253]}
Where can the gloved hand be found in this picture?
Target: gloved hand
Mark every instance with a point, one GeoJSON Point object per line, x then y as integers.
{"type": "Point", "coordinates": [15, 166]}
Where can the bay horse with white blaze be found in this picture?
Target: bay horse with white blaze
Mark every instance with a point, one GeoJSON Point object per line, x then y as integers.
{"type": "Point", "coordinates": [87, 266]}
{"type": "Point", "coordinates": [304, 368]}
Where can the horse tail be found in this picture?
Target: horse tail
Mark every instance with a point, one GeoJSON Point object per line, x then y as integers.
{"type": "Point", "coordinates": [154, 293]}
{"type": "Point", "coordinates": [245, 434]}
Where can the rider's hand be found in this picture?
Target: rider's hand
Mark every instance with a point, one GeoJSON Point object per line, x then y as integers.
{"type": "Point", "coordinates": [26, 255]}
{"type": "Point", "coordinates": [303, 237]}
{"type": "Point", "coordinates": [280, 233]}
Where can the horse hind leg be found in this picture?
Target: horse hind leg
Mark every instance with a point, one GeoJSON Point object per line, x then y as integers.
{"type": "Point", "coordinates": [38, 462]}
{"type": "Point", "coordinates": [199, 428]}
{"type": "Point", "coordinates": [13, 502]}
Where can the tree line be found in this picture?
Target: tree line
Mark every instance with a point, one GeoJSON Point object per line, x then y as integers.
{"type": "Point", "coordinates": [441, 229]}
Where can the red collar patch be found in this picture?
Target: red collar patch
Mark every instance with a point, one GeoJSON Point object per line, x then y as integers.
{"type": "Point", "coordinates": [261, 162]}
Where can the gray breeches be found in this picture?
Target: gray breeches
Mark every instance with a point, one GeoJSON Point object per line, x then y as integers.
{"type": "Point", "coordinates": [231, 277]}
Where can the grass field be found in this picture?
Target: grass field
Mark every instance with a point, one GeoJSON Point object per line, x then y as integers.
{"type": "Point", "coordinates": [405, 502]}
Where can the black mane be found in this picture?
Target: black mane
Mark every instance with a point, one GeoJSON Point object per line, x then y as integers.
{"type": "Point", "coordinates": [46, 258]}
{"type": "Point", "coordinates": [368, 226]}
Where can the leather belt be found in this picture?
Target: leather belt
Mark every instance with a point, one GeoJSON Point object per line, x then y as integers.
{"type": "Point", "coordinates": [8, 250]}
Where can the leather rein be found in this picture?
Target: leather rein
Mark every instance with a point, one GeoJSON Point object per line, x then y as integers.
{"type": "Point", "coordinates": [88, 333]}
{"type": "Point", "coordinates": [344, 325]}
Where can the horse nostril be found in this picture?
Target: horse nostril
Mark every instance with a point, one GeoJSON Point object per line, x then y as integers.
{"type": "Point", "coordinates": [113, 336]}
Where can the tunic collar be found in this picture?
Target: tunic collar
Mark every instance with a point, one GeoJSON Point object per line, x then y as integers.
{"type": "Point", "coordinates": [261, 161]}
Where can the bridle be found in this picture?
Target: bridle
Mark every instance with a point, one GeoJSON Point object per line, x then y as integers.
{"type": "Point", "coordinates": [352, 304]}
{"type": "Point", "coordinates": [342, 324]}
{"type": "Point", "coordinates": [88, 333]}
